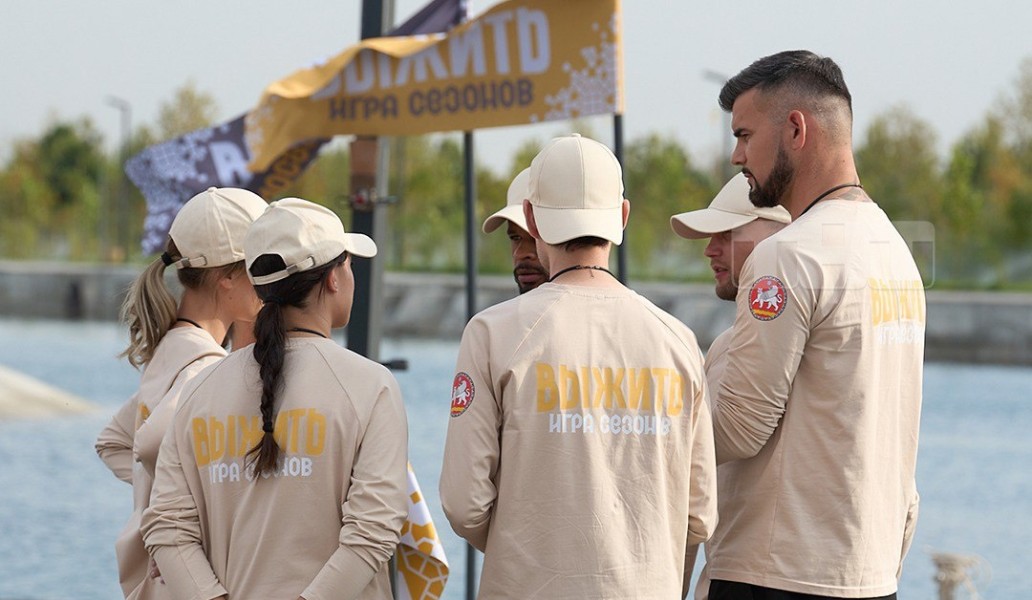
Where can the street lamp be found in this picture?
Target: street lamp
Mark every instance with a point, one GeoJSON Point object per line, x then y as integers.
{"type": "Point", "coordinates": [721, 79]}
{"type": "Point", "coordinates": [122, 207]}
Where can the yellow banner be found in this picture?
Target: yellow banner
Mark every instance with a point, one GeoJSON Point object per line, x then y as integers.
{"type": "Point", "coordinates": [523, 61]}
{"type": "Point", "coordinates": [421, 561]}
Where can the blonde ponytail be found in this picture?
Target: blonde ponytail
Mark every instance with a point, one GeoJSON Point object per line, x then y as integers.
{"type": "Point", "coordinates": [149, 310]}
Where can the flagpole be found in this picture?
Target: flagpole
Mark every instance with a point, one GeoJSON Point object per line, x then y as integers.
{"type": "Point", "coordinates": [621, 250]}
{"type": "Point", "coordinates": [365, 327]}
{"type": "Point", "coordinates": [367, 217]}
{"type": "Point", "coordinates": [471, 300]}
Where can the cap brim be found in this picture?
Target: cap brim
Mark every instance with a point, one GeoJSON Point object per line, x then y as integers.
{"type": "Point", "coordinates": [360, 245]}
{"type": "Point", "coordinates": [698, 224]}
{"type": "Point", "coordinates": [558, 225]}
{"type": "Point", "coordinates": [513, 213]}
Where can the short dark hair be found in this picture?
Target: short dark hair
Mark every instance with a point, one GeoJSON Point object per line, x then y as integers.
{"type": "Point", "coordinates": [800, 70]}
{"type": "Point", "coordinates": [580, 243]}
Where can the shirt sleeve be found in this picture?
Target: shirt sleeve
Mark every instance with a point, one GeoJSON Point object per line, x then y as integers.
{"type": "Point", "coordinates": [150, 434]}
{"type": "Point", "coordinates": [702, 503]}
{"type": "Point", "coordinates": [472, 447]}
{"type": "Point", "coordinates": [690, 556]}
{"type": "Point", "coordinates": [376, 505]}
{"type": "Point", "coordinates": [908, 529]}
{"type": "Point", "coordinates": [172, 531]}
{"type": "Point", "coordinates": [114, 445]}
{"type": "Point", "coordinates": [772, 326]}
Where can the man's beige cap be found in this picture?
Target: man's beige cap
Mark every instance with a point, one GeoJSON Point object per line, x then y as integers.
{"type": "Point", "coordinates": [513, 211]}
{"type": "Point", "coordinates": [731, 208]}
{"type": "Point", "coordinates": [576, 189]}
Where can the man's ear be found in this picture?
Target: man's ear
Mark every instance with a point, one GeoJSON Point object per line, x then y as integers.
{"type": "Point", "coordinates": [528, 214]}
{"type": "Point", "coordinates": [796, 125]}
{"type": "Point", "coordinates": [626, 210]}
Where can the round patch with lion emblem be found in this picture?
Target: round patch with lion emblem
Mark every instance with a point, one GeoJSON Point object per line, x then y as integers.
{"type": "Point", "coordinates": [767, 298]}
{"type": "Point", "coordinates": [461, 394]}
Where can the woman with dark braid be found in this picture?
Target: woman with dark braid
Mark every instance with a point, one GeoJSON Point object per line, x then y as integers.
{"type": "Point", "coordinates": [283, 474]}
{"type": "Point", "coordinates": [173, 341]}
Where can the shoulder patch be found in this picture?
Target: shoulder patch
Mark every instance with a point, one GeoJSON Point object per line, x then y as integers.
{"type": "Point", "coordinates": [462, 394]}
{"type": "Point", "coordinates": [767, 298]}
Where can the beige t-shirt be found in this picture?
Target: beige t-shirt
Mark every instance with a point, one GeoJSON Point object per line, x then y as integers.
{"type": "Point", "coordinates": [138, 427]}
{"type": "Point", "coordinates": [579, 453]}
{"type": "Point", "coordinates": [325, 525]}
{"type": "Point", "coordinates": [820, 403]}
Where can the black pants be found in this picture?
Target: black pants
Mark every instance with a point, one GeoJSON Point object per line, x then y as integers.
{"type": "Point", "coordinates": [733, 590]}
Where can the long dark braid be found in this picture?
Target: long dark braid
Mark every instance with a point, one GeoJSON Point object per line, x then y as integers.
{"type": "Point", "coordinates": [270, 345]}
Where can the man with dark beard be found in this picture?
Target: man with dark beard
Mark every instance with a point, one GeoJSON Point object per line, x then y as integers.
{"type": "Point", "coordinates": [527, 269]}
{"type": "Point", "coordinates": [820, 401]}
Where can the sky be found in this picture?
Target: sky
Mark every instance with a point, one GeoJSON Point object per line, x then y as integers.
{"type": "Point", "coordinates": [948, 62]}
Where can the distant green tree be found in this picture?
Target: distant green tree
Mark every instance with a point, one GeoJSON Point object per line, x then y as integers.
{"type": "Point", "coordinates": [1016, 115]}
{"type": "Point", "coordinates": [326, 180]}
{"type": "Point", "coordinates": [25, 203]}
{"type": "Point", "coordinates": [493, 251]}
{"type": "Point", "coordinates": [69, 159]}
{"type": "Point", "coordinates": [979, 178]}
{"type": "Point", "coordinates": [427, 221]}
{"type": "Point", "coordinates": [899, 166]}
{"type": "Point", "coordinates": [1016, 110]}
{"type": "Point", "coordinates": [661, 181]}
{"type": "Point", "coordinates": [49, 193]}
{"type": "Point", "coordinates": [525, 153]}
{"type": "Point", "coordinates": [188, 110]}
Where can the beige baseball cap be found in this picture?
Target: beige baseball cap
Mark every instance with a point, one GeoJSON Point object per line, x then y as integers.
{"type": "Point", "coordinates": [730, 208]}
{"type": "Point", "coordinates": [513, 211]}
{"type": "Point", "coordinates": [209, 229]}
{"type": "Point", "coordinates": [304, 234]}
{"type": "Point", "coordinates": [576, 189]}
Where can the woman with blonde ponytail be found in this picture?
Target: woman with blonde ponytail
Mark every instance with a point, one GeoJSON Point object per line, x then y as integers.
{"type": "Point", "coordinates": [172, 342]}
{"type": "Point", "coordinates": [283, 474]}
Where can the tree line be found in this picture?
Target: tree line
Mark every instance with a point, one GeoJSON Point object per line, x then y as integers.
{"type": "Point", "coordinates": [57, 193]}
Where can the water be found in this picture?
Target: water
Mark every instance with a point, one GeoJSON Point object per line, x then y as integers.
{"type": "Point", "coordinates": [60, 508]}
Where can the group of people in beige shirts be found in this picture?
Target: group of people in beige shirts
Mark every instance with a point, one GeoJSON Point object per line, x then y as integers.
{"type": "Point", "coordinates": [591, 448]}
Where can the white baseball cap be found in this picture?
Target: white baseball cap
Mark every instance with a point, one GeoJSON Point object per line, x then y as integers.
{"type": "Point", "coordinates": [304, 234]}
{"type": "Point", "coordinates": [513, 211]}
{"type": "Point", "coordinates": [209, 229]}
{"type": "Point", "coordinates": [729, 209]}
{"type": "Point", "coordinates": [576, 189]}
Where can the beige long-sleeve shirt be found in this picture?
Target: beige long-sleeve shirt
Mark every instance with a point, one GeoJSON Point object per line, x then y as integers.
{"type": "Point", "coordinates": [325, 524]}
{"type": "Point", "coordinates": [579, 454]}
{"type": "Point", "coordinates": [818, 407]}
{"type": "Point", "coordinates": [729, 477]}
{"type": "Point", "coordinates": [137, 428]}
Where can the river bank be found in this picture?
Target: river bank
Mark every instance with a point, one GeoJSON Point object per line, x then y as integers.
{"type": "Point", "coordinates": [971, 327]}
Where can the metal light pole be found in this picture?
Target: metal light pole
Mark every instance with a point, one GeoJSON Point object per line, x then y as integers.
{"type": "Point", "coordinates": [369, 216]}
{"type": "Point", "coordinates": [720, 79]}
{"type": "Point", "coordinates": [122, 206]}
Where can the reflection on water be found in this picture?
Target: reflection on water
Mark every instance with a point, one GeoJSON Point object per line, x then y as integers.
{"type": "Point", "coordinates": [60, 509]}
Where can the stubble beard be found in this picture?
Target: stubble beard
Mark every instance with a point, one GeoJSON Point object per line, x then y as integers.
{"type": "Point", "coordinates": [727, 291]}
{"type": "Point", "coordinates": [523, 289]}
